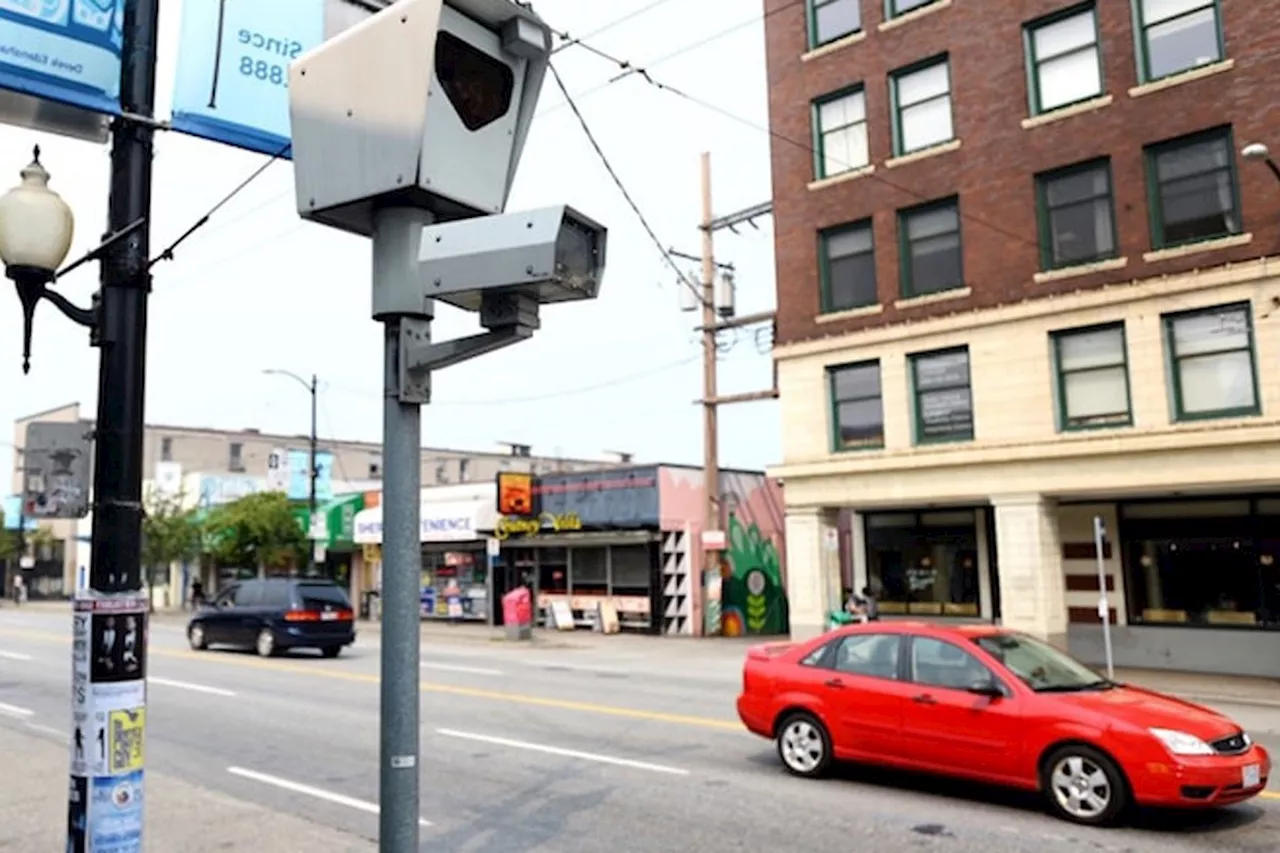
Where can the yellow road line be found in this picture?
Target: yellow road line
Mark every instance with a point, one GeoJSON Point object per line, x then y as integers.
{"type": "Point", "coordinates": [1270, 795]}
{"type": "Point", "coordinates": [427, 687]}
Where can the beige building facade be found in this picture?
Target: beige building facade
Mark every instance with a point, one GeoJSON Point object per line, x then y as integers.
{"type": "Point", "coordinates": [1154, 405]}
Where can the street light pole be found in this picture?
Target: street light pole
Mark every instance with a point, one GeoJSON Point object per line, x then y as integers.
{"type": "Point", "coordinates": [314, 473]}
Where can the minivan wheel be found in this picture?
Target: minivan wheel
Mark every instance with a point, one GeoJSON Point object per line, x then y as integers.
{"type": "Point", "coordinates": [266, 644]}
{"type": "Point", "coordinates": [1084, 786]}
{"type": "Point", "coordinates": [331, 651]}
{"type": "Point", "coordinates": [195, 636]}
{"type": "Point", "coordinates": [804, 745]}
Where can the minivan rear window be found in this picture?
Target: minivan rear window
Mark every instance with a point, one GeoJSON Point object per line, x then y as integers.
{"type": "Point", "coordinates": [316, 596]}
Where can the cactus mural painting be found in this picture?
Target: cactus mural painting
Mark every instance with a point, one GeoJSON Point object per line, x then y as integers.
{"type": "Point", "coordinates": [754, 601]}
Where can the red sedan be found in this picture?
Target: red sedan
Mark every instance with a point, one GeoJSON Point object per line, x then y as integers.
{"type": "Point", "coordinates": [995, 706]}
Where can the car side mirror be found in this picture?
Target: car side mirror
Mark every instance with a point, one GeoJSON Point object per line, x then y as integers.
{"type": "Point", "coordinates": [986, 687]}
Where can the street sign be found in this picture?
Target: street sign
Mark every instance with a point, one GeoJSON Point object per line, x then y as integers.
{"type": "Point", "coordinates": [56, 470]}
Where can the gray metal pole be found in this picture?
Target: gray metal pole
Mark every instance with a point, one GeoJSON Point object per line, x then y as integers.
{"type": "Point", "coordinates": [395, 255]}
{"type": "Point", "coordinates": [1104, 606]}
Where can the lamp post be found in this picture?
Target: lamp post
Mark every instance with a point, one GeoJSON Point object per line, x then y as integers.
{"type": "Point", "coordinates": [1258, 153]}
{"type": "Point", "coordinates": [311, 499]}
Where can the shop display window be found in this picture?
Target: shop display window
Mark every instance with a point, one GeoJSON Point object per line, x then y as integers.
{"type": "Point", "coordinates": [924, 564]}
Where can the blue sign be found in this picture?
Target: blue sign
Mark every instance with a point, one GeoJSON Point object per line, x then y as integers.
{"type": "Point", "coordinates": [115, 814]}
{"type": "Point", "coordinates": [11, 509]}
{"type": "Point", "coordinates": [63, 50]}
{"type": "Point", "coordinates": [300, 480]}
{"type": "Point", "coordinates": [232, 84]}
{"type": "Point", "coordinates": [427, 601]}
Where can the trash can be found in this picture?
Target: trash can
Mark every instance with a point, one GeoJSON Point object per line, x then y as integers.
{"type": "Point", "coordinates": [517, 614]}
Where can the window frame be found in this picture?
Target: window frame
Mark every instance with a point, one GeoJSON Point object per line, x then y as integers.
{"type": "Point", "coordinates": [825, 293]}
{"type": "Point", "coordinates": [1033, 60]}
{"type": "Point", "coordinates": [833, 403]}
{"type": "Point", "coordinates": [895, 105]}
{"type": "Point", "coordinates": [1143, 45]}
{"type": "Point", "coordinates": [1155, 209]}
{"type": "Point", "coordinates": [919, 437]}
{"type": "Point", "coordinates": [906, 275]}
{"type": "Point", "coordinates": [819, 132]}
{"type": "Point", "coordinates": [1044, 221]}
{"type": "Point", "coordinates": [1173, 361]}
{"type": "Point", "coordinates": [1059, 375]}
{"type": "Point", "coordinates": [811, 22]}
{"type": "Point", "coordinates": [891, 11]}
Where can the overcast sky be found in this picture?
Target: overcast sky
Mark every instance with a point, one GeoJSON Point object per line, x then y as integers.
{"type": "Point", "coordinates": [257, 288]}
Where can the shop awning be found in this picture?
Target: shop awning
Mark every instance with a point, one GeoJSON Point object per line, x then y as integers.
{"type": "Point", "coordinates": [339, 516]}
{"type": "Point", "coordinates": [450, 521]}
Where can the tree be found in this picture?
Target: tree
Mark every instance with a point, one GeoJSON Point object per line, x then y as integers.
{"type": "Point", "coordinates": [8, 542]}
{"type": "Point", "coordinates": [170, 534]}
{"type": "Point", "coordinates": [258, 531]}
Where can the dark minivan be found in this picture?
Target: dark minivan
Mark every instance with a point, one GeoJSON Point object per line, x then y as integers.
{"type": "Point", "coordinates": [276, 614]}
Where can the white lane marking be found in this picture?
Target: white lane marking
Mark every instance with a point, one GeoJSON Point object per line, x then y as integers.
{"type": "Point", "coordinates": [49, 730]}
{"type": "Point", "coordinates": [186, 685]}
{"type": "Point", "coordinates": [566, 753]}
{"type": "Point", "coordinates": [318, 793]}
{"type": "Point", "coordinates": [15, 711]}
{"type": "Point", "coordinates": [457, 667]}
{"type": "Point", "coordinates": [15, 656]}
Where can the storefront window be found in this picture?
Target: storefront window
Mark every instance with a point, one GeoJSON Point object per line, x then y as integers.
{"type": "Point", "coordinates": [1203, 563]}
{"type": "Point", "coordinates": [632, 570]}
{"type": "Point", "coordinates": [590, 571]}
{"type": "Point", "coordinates": [924, 563]}
{"type": "Point", "coordinates": [553, 571]}
{"type": "Point", "coordinates": [462, 575]}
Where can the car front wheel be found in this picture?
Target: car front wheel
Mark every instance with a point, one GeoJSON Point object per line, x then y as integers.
{"type": "Point", "coordinates": [804, 745]}
{"type": "Point", "coordinates": [1084, 786]}
{"type": "Point", "coordinates": [196, 637]}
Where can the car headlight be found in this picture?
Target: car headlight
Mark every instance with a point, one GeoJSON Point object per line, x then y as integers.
{"type": "Point", "coordinates": [1181, 743]}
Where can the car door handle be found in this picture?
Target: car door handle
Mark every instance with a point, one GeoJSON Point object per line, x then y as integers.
{"type": "Point", "coordinates": [833, 682]}
{"type": "Point", "coordinates": [924, 699]}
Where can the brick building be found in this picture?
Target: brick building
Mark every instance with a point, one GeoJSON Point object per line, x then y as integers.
{"type": "Point", "coordinates": [1026, 280]}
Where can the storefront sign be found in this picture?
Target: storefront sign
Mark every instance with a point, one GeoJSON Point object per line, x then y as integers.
{"type": "Point", "coordinates": [613, 499]}
{"type": "Point", "coordinates": [508, 526]}
{"type": "Point", "coordinates": [515, 493]}
{"type": "Point", "coordinates": [449, 527]}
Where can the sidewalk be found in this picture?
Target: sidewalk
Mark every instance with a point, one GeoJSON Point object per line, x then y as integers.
{"type": "Point", "coordinates": [179, 815]}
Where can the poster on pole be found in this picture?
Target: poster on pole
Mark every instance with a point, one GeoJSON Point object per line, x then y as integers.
{"type": "Point", "coordinates": [108, 718]}
{"type": "Point", "coordinates": [64, 51]}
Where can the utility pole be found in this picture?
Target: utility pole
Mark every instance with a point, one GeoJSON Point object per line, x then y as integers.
{"type": "Point", "coordinates": [311, 497]}
{"type": "Point", "coordinates": [710, 429]}
{"type": "Point", "coordinates": [110, 620]}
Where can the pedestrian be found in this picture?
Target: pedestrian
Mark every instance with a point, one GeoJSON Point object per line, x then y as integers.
{"type": "Point", "coordinates": [19, 589]}
{"type": "Point", "coordinates": [197, 593]}
{"type": "Point", "coordinates": [864, 607]}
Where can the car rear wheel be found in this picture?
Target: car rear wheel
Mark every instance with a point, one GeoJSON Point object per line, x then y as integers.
{"type": "Point", "coordinates": [331, 651]}
{"type": "Point", "coordinates": [1084, 786]}
{"type": "Point", "coordinates": [804, 745]}
{"type": "Point", "coordinates": [266, 644]}
{"type": "Point", "coordinates": [195, 636]}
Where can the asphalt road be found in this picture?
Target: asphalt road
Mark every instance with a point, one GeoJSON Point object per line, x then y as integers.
{"type": "Point", "coordinates": [554, 750]}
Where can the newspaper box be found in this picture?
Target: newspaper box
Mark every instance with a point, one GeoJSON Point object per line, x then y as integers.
{"type": "Point", "coordinates": [517, 614]}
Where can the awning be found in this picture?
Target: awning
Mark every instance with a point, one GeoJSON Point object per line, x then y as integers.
{"type": "Point", "coordinates": [339, 517]}
{"type": "Point", "coordinates": [450, 521]}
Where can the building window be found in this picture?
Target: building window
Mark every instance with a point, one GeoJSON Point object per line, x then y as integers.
{"type": "Point", "coordinates": [943, 396]}
{"type": "Point", "coordinates": [895, 8]}
{"type": "Point", "coordinates": [1076, 213]}
{"type": "Point", "coordinates": [931, 256]}
{"type": "Point", "coordinates": [464, 470]}
{"type": "Point", "coordinates": [1192, 184]}
{"type": "Point", "coordinates": [1207, 563]}
{"type": "Point", "coordinates": [235, 457]}
{"type": "Point", "coordinates": [1211, 362]}
{"type": "Point", "coordinates": [442, 474]}
{"type": "Point", "coordinates": [840, 131]}
{"type": "Point", "coordinates": [166, 449]}
{"type": "Point", "coordinates": [924, 563]}
{"type": "Point", "coordinates": [848, 267]}
{"type": "Point", "coordinates": [1065, 63]}
{"type": "Point", "coordinates": [1092, 377]}
{"type": "Point", "coordinates": [833, 19]}
{"type": "Point", "coordinates": [1177, 35]}
{"type": "Point", "coordinates": [375, 465]}
{"type": "Point", "coordinates": [857, 409]}
{"type": "Point", "coordinates": [921, 106]}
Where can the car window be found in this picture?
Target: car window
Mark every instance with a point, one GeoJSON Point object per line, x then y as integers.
{"type": "Point", "coordinates": [874, 655]}
{"type": "Point", "coordinates": [941, 664]}
{"type": "Point", "coordinates": [1039, 665]}
{"type": "Point", "coordinates": [276, 594]}
{"type": "Point", "coordinates": [815, 657]}
{"type": "Point", "coordinates": [318, 596]}
{"type": "Point", "coordinates": [226, 597]}
{"type": "Point", "coordinates": [249, 594]}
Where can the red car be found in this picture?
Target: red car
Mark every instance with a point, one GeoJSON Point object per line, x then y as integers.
{"type": "Point", "coordinates": [998, 707]}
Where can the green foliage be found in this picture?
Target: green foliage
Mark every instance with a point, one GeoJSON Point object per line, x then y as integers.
{"type": "Point", "coordinates": [170, 534]}
{"type": "Point", "coordinates": [256, 531]}
{"type": "Point", "coordinates": [8, 541]}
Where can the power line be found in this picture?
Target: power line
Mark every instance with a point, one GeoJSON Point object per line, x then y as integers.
{"type": "Point", "coordinates": [570, 41]}
{"type": "Point", "coordinates": [591, 137]}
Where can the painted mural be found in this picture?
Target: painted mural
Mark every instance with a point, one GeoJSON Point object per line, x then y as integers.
{"type": "Point", "coordinates": [753, 598]}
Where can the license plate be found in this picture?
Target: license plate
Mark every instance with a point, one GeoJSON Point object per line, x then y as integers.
{"type": "Point", "coordinates": [1252, 775]}
{"type": "Point", "coordinates": [328, 616]}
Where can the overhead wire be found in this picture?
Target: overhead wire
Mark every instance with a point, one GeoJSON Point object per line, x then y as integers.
{"type": "Point", "coordinates": [569, 41]}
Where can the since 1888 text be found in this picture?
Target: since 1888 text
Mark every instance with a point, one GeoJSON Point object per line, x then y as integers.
{"type": "Point", "coordinates": [266, 58]}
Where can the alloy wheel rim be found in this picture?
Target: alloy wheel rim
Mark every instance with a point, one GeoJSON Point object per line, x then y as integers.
{"type": "Point", "coordinates": [265, 643]}
{"type": "Point", "coordinates": [802, 746]}
{"type": "Point", "coordinates": [1081, 787]}
{"type": "Point", "coordinates": [197, 635]}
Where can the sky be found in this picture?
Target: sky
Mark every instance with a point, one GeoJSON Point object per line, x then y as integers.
{"type": "Point", "coordinates": [259, 289]}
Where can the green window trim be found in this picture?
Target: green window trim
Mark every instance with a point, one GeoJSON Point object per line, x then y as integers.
{"type": "Point", "coordinates": [906, 273]}
{"type": "Point", "coordinates": [827, 299]}
{"type": "Point", "coordinates": [1060, 375]}
{"type": "Point", "coordinates": [1142, 44]}
{"type": "Point", "coordinates": [1173, 362]}
{"type": "Point", "coordinates": [811, 8]}
{"type": "Point", "coordinates": [1156, 210]}
{"type": "Point", "coordinates": [838, 445]}
{"type": "Point", "coordinates": [1044, 213]}
{"type": "Point", "coordinates": [891, 8]}
{"type": "Point", "coordinates": [820, 133]}
{"type": "Point", "coordinates": [917, 417]}
{"type": "Point", "coordinates": [1034, 61]}
{"type": "Point", "coordinates": [896, 107]}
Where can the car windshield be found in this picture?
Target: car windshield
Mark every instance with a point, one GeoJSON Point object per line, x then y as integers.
{"type": "Point", "coordinates": [1040, 666]}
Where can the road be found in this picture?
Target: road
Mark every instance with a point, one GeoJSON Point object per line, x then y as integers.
{"type": "Point", "coordinates": [550, 749]}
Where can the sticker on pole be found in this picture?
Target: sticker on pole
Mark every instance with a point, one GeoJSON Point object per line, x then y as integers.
{"type": "Point", "coordinates": [126, 741]}
{"type": "Point", "coordinates": [115, 814]}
